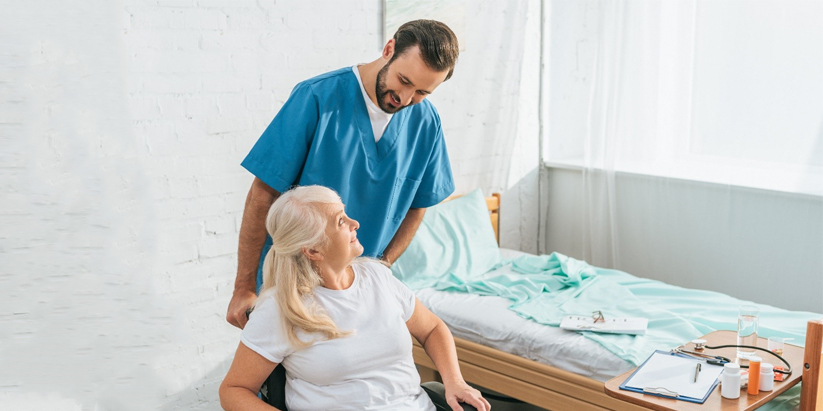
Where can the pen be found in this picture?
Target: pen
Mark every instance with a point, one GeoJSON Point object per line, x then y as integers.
{"type": "Point", "coordinates": [696, 371]}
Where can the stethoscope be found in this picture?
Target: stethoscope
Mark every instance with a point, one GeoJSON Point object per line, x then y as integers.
{"type": "Point", "coordinates": [700, 345]}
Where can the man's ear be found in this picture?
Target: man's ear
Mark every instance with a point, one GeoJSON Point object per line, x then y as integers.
{"type": "Point", "coordinates": [312, 254]}
{"type": "Point", "coordinates": [388, 49]}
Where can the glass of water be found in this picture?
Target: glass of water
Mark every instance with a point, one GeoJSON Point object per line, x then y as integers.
{"type": "Point", "coordinates": [747, 330]}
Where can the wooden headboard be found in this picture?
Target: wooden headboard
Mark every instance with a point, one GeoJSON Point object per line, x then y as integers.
{"type": "Point", "coordinates": [493, 204]}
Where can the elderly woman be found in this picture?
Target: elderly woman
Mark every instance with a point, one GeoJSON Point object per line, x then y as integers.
{"type": "Point", "coordinates": [339, 325]}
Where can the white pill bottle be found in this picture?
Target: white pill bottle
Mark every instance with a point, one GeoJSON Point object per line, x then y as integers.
{"type": "Point", "coordinates": [766, 377]}
{"type": "Point", "coordinates": [730, 387]}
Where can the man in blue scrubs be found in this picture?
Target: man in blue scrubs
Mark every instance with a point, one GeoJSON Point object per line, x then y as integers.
{"type": "Point", "coordinates": [368, 133]}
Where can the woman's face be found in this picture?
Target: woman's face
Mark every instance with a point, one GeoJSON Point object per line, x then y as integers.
{"type": "Point", "coordinates": [343, 246]}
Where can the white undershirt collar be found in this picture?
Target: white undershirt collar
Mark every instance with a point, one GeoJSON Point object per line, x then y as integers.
{"type": "Point", "coordinates": [379, 119]}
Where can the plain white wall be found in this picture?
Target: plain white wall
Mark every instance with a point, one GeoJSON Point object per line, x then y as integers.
{"type": "Point", "coordinates": [123, 125]}
{"type": "Point", "coordinates": [757, 245]}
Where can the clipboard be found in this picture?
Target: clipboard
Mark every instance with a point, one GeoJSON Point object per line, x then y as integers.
{"type": "Point", "coordinates": [670, 375]}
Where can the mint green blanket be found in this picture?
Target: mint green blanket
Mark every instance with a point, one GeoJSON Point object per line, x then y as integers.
{"type": "Point", "coordinates": [547, 288]}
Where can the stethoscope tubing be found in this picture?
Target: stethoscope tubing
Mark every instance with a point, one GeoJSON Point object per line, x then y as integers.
{"type": "Point", "coordinates": [720, 360]}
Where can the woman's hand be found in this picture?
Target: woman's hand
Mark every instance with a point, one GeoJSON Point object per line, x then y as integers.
{"type": "Point", "coordinates": [459, 391]}
{"type": "Point", "coordinates": [437, 340]}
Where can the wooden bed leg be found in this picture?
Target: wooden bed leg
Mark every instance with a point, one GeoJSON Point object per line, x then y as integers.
{"type": "Point", "coordinates": [428, 374]}
{"type": "Point", "coordinates": [811, 391]}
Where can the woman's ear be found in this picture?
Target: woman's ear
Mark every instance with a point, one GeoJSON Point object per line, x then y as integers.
{"type": "Point", "coordinates": [312, 254]}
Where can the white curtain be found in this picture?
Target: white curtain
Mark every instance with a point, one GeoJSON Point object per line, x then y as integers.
{"type": "Point", "coordinates": [725, 92]}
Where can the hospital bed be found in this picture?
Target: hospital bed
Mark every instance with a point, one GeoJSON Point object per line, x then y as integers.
{"type": "Point", "coordinates": [549, 367]}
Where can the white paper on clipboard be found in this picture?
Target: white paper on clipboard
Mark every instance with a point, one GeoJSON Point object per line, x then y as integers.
{"type": "Point", "coordinates": [635, 326]}
{"type": "Point", "coordinates": [675, 373]}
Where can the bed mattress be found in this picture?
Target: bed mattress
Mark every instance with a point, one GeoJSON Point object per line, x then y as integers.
{"type": "Point", "coordinates": [487, 320]}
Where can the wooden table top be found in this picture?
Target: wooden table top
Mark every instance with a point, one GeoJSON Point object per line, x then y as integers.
{"type": "Point", "coordinates": [793, 354]}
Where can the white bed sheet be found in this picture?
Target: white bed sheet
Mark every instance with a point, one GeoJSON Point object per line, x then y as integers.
{"type": "Point", "coordinates": [487, 320]}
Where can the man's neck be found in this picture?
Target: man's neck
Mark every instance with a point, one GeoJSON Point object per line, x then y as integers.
{"type": "Point", "coordinates": [368, 75]}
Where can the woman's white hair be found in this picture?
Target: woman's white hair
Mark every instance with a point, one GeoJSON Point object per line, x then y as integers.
{"type": "Point", "coordinates": [297, 221]}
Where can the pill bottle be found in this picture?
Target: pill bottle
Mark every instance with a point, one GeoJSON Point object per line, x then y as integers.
{"type": "Point", "coordinates": [730, 387]}
{"type": "Point", "coordinates": [754, 375]}
{"type": "Point", "coordinates": [766, 377]}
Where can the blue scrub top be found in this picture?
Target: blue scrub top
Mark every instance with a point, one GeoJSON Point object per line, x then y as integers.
{"type": "Point", "coordinates": [322, 135]}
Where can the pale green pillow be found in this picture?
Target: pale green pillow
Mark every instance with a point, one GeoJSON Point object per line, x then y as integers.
{"type": "Point", "coordinates": [455, 238]}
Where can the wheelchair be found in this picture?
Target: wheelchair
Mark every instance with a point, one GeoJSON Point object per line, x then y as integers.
{"type": "Point", "coordinates": [273, 392]}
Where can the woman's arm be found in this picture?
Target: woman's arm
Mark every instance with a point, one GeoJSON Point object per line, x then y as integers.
{"type": "Point", "coordinates": [438, 342]}
{"type": "Point", "coordinates": [247, 374]}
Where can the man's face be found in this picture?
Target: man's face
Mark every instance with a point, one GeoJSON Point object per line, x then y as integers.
{"type": "Point", "coordinates": [405, 80]}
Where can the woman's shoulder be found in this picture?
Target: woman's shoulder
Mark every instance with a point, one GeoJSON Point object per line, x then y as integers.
{"type": "Point", "coordinates": [371, 264]}
{"type": "Point", "coordinates": [265, 331]}
{"type": "Point", "coordinates": [266, 305]}
{"type": "Point", "coordinates": [371, 268]}
{"type": "Point", "coordinates": [377, 272]}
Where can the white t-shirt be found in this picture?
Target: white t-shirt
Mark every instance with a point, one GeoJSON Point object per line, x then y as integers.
{"type": "Point", "coordinates": [372, 369]}
{"type": "Point", "coordinates": [379, 118]}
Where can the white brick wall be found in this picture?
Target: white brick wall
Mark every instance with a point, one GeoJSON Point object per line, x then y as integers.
{"type": "Point", "coordinates": [123, 126]}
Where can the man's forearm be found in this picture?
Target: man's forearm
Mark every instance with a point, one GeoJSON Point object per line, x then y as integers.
{"type": "Point", "coordinates": [250, 245]}
{"type": "Point", "coordinates": [404, 234]}
{"type": "Point", "coordinates": [253, 235]}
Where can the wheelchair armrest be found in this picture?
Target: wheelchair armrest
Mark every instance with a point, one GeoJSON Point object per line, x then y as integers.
{"type": "Point", "coordinates": [437, 393]}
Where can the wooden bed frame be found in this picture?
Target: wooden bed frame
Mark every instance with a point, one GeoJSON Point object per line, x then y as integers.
{"type": "Point", "coordinates": [558, 390]}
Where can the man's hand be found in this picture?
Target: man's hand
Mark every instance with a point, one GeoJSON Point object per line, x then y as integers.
{"type": "Point", "coordinates": [241, 303]}
{"type": "Point", "coordinates": [461, 392]}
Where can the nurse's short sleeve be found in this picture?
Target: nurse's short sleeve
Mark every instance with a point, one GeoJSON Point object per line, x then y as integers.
{"type": "Point", "coordinates": [280, 153]}
{"type": "Point", "coordinates": [437, 182]}
{"type": "Point", "coordinates": [264, 333]}
{"type": "Point", "coordinates": [405, 296]}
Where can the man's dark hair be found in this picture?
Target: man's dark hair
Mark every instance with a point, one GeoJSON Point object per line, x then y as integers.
{"type": "Point", "coordinates": [437, 43]}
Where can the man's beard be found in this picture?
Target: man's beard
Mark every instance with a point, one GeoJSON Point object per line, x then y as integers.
{"type": "Point", "coordinates": [381, 92]}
